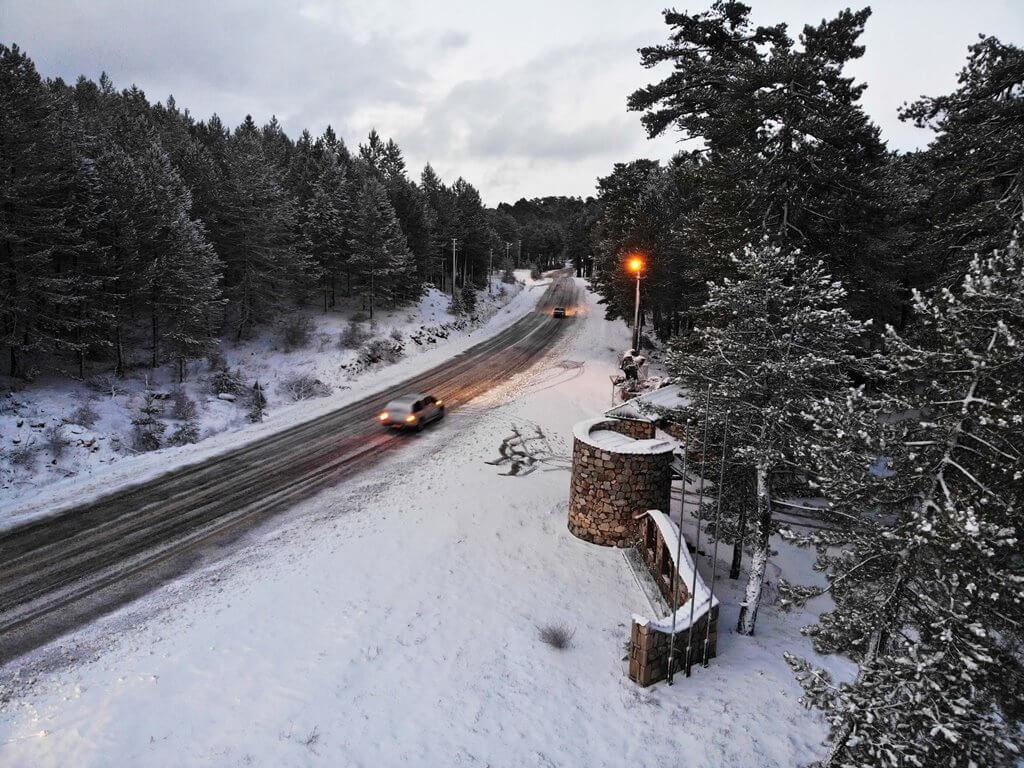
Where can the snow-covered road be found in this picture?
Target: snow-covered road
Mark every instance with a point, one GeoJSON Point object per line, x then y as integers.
{"type": "Point", "coordinates": [394, 620]}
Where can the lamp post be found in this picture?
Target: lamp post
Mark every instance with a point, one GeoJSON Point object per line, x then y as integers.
{"type": "Point", "coordinates": [636, 266]}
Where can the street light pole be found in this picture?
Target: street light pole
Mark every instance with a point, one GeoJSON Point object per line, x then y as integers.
{"type": "Point", "coordinates": [637, 265]}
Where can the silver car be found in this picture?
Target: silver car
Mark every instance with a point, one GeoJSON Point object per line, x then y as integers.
{"type": "Point", "coordinates": [411, 411]}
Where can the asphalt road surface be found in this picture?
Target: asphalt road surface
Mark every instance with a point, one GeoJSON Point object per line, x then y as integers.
{"type": "Point", "coordinates": [59, 573]}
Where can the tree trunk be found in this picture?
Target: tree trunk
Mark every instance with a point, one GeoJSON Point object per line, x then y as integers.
{"type": "Point", "coordinates": [118, 353]}
{"type": "Point", "coordinates": [154, 327]}
{"type": "Point", "coordinates": [759, 559]}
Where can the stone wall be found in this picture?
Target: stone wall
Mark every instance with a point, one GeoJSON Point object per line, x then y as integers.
{"type": "Point", "coordinates": [649, 649]}
{"type": "Point", "coordinates": [608, 487]}
{"type": "Point", "coordinates": [649, 646]}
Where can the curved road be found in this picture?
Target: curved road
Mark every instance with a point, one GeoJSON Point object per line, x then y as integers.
{"type": "Point", "coordinates": [61, 572]}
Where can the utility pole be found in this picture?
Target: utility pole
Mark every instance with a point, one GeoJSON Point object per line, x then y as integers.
{"type": "Point", "coordinates": [453, 266]}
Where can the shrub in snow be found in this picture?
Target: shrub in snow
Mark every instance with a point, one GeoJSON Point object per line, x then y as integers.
{"type": "Point", "coordinates": [557, 635]}
{"type": "Point", "coordinates": [507, 276]}
{"type": "Point", "coordinates": [304, 387]}
{"type": "Point", "coordinates": [23, 456]}
{"type": "Point", "coordinates": [216, 360]}
{"type": "Point", "coordinates": [396, 335]}
{"type": "Point", "coordinates": [297, 332]}
{"type": "Point", "coordinates": [457, 306]}
{"type": "Point", "coordinates": [353, 335]}
{"type": "Point", "coordinates": [534, 272]}
{"type": "Point", "coordinates": [184, 406]}
{"type": "Point", "coordinates": [85, 414]}
{"type": "Point", "coordinates": [55, 440]}
{"type": "Point", "coordinates": [360, 317]}
{"type": "Point", "coordinates": [257, 403]}
{"type": "Point", "coordinates": [186, 434]}
{"type": "Point", "coordinates": [229, 381]}
{"type": "Point", "coordinates": [106, 384]}
{"type": "Point", "coordinates": [148, 431]}
{"type": "Point", "coordinates": [469, 299]}
{"type": "Point", "coordinates": [381, 351]}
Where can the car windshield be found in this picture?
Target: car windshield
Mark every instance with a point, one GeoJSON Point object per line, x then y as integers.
{"type": "Point", "coordinates": [399, 405]}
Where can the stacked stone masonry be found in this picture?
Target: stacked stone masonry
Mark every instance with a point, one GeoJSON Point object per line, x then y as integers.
{"type": "Point", "coordinates": [609, 487]}
{"type": "Point", "coordinates": [649, 647]}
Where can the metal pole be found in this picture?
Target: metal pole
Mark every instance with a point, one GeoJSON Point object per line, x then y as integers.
{"type": "Point", "coordinates": [679, 553]}
{"type": "Point", "coordinates": [714, 556]}
{"type": "Point", "coordinates": [696, 546]}
{"type": "Point", "coordinates": [636, 315]}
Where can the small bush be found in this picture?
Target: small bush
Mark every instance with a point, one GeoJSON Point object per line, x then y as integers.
{"type": "Point", "coordinates": [106, 384]}
{"type": "Point", "coordinates": [457, 305]}
{"type": "Point", "coordinates": [257, 403]}
{"type": "Point", "coordinates": [229, 381]}
{"type": "Point", "coordinates": [149, 431]}
{"type": "Point", "coordinates": [360, 317]}
{"type": "Point", "coordinates": [353, 335]}
{"type": "Point", "coordinates": [381, 351]}
{"type": "Point", "coordinates": [304, 387]}
{"type": "Point", "coordinates": [24, 455]}
{"type": "Point", "coordinates": [297, 332]}
{"type": "Point", "coordinates": [85, 414]}
{"type": "Point", "coordinates": [469, 298]}
{"type": "Point", "coordinates": [395, 334]}
{"type": "Point", "coordinates": [55, 440]}
{"type": "Point", "coordinates": [508, 276]}
{"type": "Point", "coordinates": [534, 272]}
{"type": "Point", "coordinates": [557, 635]}
{"type": "Point", "coordinates": [216, 360]}
{"type": "Point", "coordinates": [186, 434]}
{"type": "Point", "coordinates": [184, 406]}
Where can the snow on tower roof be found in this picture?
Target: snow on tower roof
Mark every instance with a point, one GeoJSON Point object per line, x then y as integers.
{"type": "Point", "coordinates": [644, 407]}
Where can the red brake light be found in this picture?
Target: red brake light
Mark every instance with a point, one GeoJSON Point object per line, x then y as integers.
{"type": "Point", "coordinates": [384, 416]}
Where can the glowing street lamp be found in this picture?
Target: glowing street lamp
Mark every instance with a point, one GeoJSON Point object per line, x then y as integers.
{"type": "Point", "coordinates": [635, 264]}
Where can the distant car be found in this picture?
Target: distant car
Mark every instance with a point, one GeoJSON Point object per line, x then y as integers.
{"type": "Point", "coordinates": [411, 411]}
{"type": "Point", "coordinates": [559, 312]}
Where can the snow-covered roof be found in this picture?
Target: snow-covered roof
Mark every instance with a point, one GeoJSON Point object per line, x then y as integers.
{"type": "Point", "coordinates": [702, 598]}
{"type": "Point", "coordinates": [644, 407]}
{"type": "Point", "coordinates": [609, 440]}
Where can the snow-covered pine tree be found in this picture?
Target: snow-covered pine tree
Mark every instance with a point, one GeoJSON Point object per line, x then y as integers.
{"type": "Point", "coordinates": [36, 226]}
{"type": "Point", "coordinates": [257, 235]}
{"type": "Point", "coordinates": [380, 254]}
{"type": "Point", "coordinates": [770, 343]}
{"type": "Point", "coordinates": [928, 596]}
{"type": "Point", "coordinates": [326, 219]}
{"type": "Point", "coordinates": [183, 272]}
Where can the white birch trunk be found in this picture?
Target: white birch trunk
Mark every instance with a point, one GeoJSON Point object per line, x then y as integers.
{"type": "Point", "coordinates": [759, 559]}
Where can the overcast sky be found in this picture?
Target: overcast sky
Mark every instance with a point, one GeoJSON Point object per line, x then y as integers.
{"type": "Point", "coordinates": [523, 99]}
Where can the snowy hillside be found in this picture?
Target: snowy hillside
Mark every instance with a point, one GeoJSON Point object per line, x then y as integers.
{"type": "Point", "coordinates": [63, 439]}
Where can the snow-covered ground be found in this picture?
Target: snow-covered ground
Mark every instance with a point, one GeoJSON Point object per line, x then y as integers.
{"type": "Point", "coordinates": [395, 620]}
{"type": "Point", "coordinates": [99, 458]}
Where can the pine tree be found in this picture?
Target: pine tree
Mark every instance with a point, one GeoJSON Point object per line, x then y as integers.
{"type": "Point", "coordinates": [928, 594]}
{"type": "Point", "coordinates": [973, 174]}
{"type": "Point", "coordinates": [380, 255]}
{"type": "Point", "coordinates": [257, 235]}
{"type": "Point", "coordinates": [770, 344]}
{"type": "Point", "coordinates": [37, 232]}
{"type": "Point", "coordinates": [326, 219]}
{"type": "Point", "coordinates": [790, 153]}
